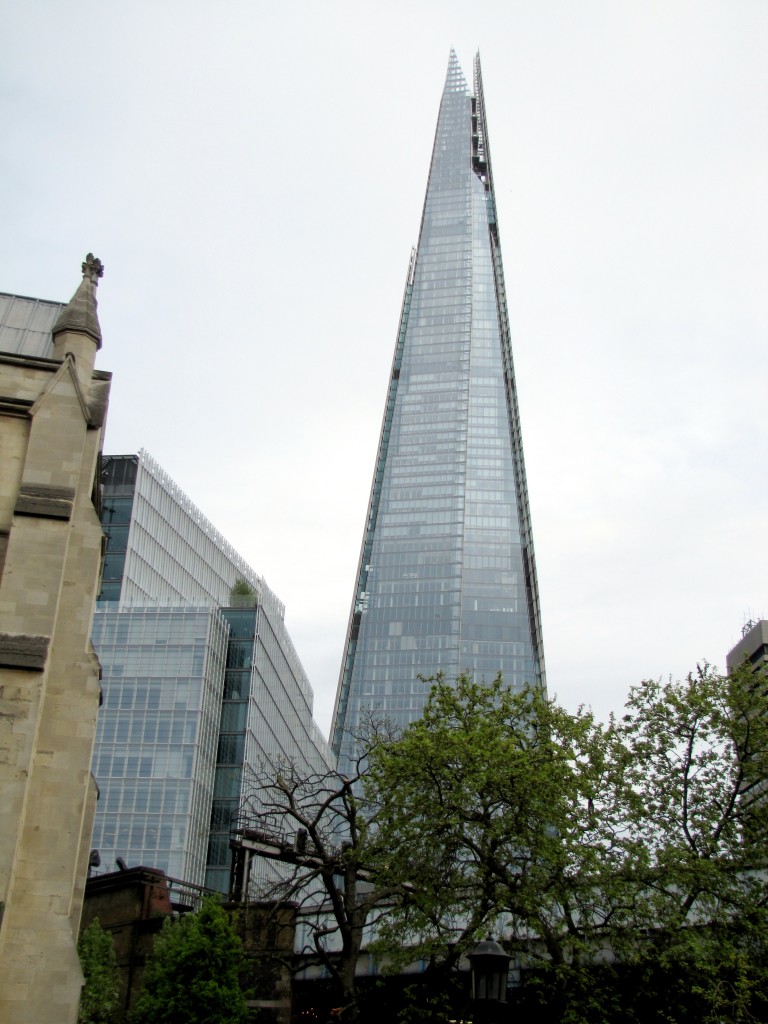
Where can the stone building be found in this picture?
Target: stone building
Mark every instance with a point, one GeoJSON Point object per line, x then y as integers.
{"type": "Point", "coordinates": [52, 412]}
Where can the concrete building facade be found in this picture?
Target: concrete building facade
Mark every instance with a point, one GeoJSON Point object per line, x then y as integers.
{"type": "Point", "coordinates": [52, 413]}
{"type": "Point", "coordinates": [753, 646]}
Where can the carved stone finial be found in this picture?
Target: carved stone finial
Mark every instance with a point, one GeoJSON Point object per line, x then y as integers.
{"type": "Point", "coordinates": [93, 268]}
{"type": "Point", "coordinates": [79, 315]}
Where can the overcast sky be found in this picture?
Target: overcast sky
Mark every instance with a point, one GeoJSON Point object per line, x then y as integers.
{"type": "Point", "coordinates": [252, 176]}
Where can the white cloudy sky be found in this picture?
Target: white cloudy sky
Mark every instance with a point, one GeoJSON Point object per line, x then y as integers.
{"type": "Point", "coordinates": [252, 176]}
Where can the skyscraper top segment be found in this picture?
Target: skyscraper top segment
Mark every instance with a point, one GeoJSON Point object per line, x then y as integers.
{"type": "Point", "coordinates": [447, 576]}
{"type": "Point", "coordinates": [455, 80]}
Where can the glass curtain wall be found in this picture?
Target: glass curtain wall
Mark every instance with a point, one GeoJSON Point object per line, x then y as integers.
{"type": "Point", "coordinates": [446, 580]}
{"type": "Point", "coordinates": [251, 703]}
{"type": "Point", "coordinates": [233, 739]}
{"type": "Point", "coordinates": [266, 718]}
{"type": "Point", "coordinates": [156, 741]}
{"type": "Point", "coordinates": [118, 480]}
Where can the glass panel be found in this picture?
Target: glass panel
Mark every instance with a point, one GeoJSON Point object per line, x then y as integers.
{"type": "Point", "coordinates": [231, 747]}
{"type": "Point", "coordinates": [234, 715]}
{"type": "Point", "coordinates": [442, 584]}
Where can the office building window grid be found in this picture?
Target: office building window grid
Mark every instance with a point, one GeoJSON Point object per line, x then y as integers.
{"type": "Point", "coordinates": [156, 741]}
{"type": "Point", "coordinates": [446, 579]}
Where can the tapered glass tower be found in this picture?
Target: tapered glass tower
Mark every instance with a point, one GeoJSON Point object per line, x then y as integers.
{"type": "Point", "coordinates": [447, 576]}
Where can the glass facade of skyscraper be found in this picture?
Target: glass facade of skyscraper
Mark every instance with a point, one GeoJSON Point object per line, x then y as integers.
{"type": "Point", "coordinates": [158, 728]}
{"type": "Point", "coordinates": [161, 549]}
{"type": "Point", "coordinates": [447, 577]}
{"type": "Point", "coordinates": [199, 696]}
{"type": "Point", "coordinates": [266, 716]}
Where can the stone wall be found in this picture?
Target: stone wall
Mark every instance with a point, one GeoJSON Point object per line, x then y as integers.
{"type": "Point", "coordinates": [51, 420]}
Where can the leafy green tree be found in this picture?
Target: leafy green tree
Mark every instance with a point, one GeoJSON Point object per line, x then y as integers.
{"type": "Point", "coordinates": [488, 804]}
{"type": "Point", "coordinates": [193, 974]}
{"type": "Point", "coordinates": [101, 992]}
{"type": "Point", "coordinates": [625, 862]}
{"type": "Point", "coordinates": [695, 806]}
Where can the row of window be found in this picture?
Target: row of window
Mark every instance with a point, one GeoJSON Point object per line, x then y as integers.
{"type": "Point", "coordinates": [154, 727]}
{"type": "Point", "coordinates": [149, 625]}
{"type": "Point", "coordinates": [425, 492]}
{"type": "Point", "coordinates": [142, 833]}
{"type": "Point", "coordinates": [164, 694]}
{"type": "Point", "coordinates": [150, 797]}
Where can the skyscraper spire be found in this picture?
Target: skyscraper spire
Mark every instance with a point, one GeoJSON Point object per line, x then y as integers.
{"type": "Point", "coordinates": [454, 79]}
{"type": "Point", "coordinates": [447, 575]}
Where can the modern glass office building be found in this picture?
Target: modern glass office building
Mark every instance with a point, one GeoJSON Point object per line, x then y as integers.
{"type": "Point", "coordinates": [447, 576]}
{"type": "Point", "coordinates": [161, 549]}
{"type": "Point", "coordinates": [158, 733]}
{"type": "Point", "coordinates": [199, 694]}
{"type": "Point", "coordinates": [265, 711]}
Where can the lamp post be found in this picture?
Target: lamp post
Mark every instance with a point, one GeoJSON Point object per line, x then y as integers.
{"type": "Point", "coordinates": [490, 967]}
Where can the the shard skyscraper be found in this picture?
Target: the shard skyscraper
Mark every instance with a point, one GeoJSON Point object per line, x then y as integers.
{"type": "Point", "coordinates": [447, 576]}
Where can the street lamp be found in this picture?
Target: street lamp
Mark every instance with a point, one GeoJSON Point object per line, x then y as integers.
{"type": "Point", "coordinates": [490, 967]}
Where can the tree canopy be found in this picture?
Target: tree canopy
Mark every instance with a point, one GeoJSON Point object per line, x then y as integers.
{"type": "Point", "coordinates": [193, 974]}
{"type": "Point", "coordinates": [623, 864]}
{"type": "Point", "coordinates": [100, 996]}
